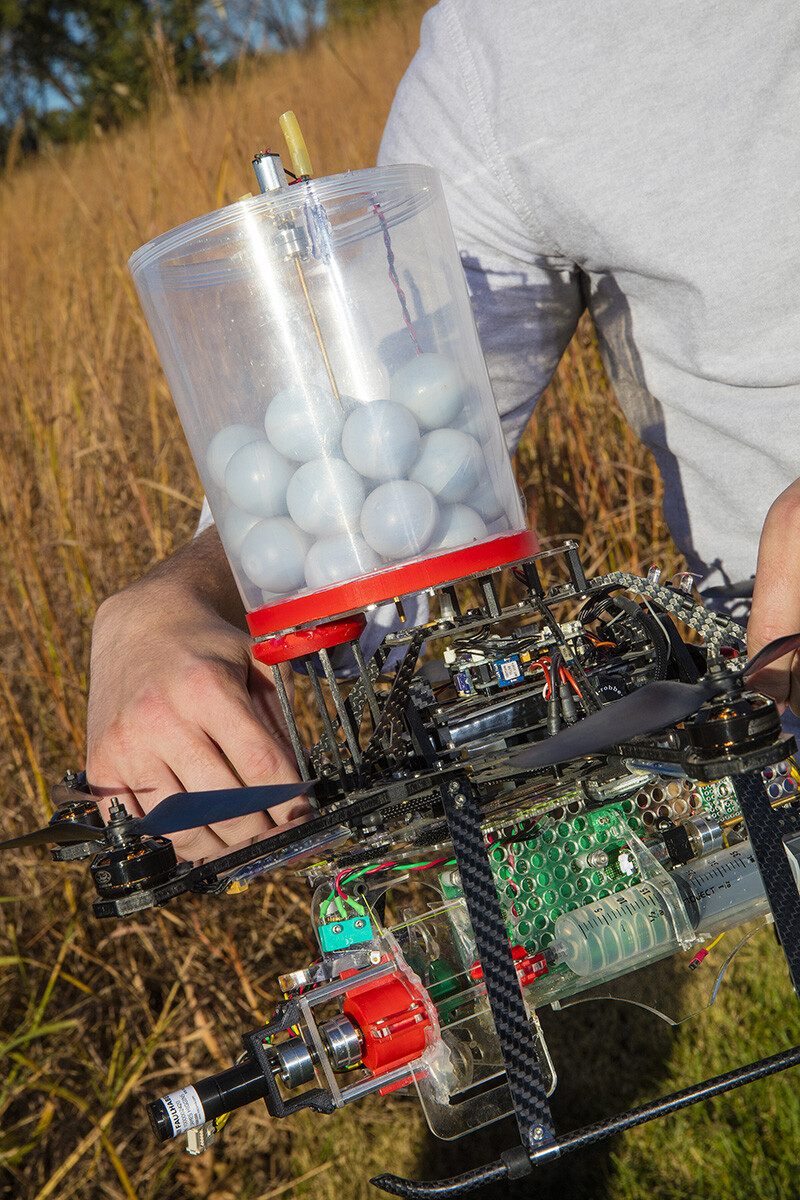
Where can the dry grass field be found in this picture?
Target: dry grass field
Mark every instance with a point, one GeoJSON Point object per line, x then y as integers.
{"type": "Point", "coordinates": [96, 485]}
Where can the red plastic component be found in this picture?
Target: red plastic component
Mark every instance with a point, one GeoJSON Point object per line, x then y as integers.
{"type": "Point", "coordinates": [308, 641]}
{"type": "Point", "coordinates": [396, 1086]}
{"type": "Point", "coordinates": [378, 586]}
{"type": "Point", "coordinates": [392, 1018]}
{"type": "Point", "coordinates": [529, 966]}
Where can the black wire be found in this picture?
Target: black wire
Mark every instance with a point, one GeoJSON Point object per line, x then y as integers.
{"type": "Point", "coordinates": [555, 663]}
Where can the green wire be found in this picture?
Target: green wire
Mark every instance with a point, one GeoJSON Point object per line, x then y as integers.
{"type": "Point", "coordinates": [358, 908]}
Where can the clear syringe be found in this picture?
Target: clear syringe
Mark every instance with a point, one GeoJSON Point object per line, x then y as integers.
{"type": "Point", "coordinates": [635, 927]}
{"type": "Point", "coordinates": [722, 890]}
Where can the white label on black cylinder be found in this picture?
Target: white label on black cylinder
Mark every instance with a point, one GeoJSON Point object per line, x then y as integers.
{"type": "Point", "coordinates": [184, 1110]}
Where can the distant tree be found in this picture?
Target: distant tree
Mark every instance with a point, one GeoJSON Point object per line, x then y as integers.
{"type": "Point", "coordinates": [69, 64]}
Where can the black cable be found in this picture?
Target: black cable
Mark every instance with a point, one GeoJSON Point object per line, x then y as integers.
{"type": "Point", "coordinates": [553, 707]}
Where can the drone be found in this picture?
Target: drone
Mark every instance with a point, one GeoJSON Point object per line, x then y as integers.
{"type": "Point", "coordinates": [531, 794]}
{"type": "Point", "coordinates": [576, 797]}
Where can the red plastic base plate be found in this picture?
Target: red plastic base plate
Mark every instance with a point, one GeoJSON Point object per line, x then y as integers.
{"type": "Point", "coordinates": [379, 586]}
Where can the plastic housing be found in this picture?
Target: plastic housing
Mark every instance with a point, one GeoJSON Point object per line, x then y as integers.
{"type": "Point", "coordinates": [322, 354]}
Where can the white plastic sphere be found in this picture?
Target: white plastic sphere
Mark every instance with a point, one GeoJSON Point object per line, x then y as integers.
{"type": "Point", "coordinates": [381, 440]}
{"type": "Point", "coordinates": [325, 497]}
{"type": "Point", "coordinates": [256, 479]}
{"type": "Point", "coordinates": [225, 444]}
{"type": "Point", "coordinates": [449, 464]}
{"type": "Point", "coordinates": [344, 556]}
{"type": "Point", "coordinates": [305, 422]}
{"type": "Point", "coordinates": [472, 420]}
{"type": "Point", "coordinates": [234, 526]}
{"type": "Point", "coordinates": [431, 387]}
{"type": "Point", "coordinates": [486, 502]}
{"type": "Point", "coordinates": [398, 518]}
{"type": "Point", "coordinates": [274, 555]}
{"type": "Point", "coordinates": [456, 525]}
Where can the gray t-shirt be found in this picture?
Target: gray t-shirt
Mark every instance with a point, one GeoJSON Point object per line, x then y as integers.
{"type": "Point", "coordinates": [642, 161]}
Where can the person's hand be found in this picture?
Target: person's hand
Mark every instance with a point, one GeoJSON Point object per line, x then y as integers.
{"type": "Point", "coordinates": [776, 599]}
{"type": "Point", "coordinates": [177, 703]}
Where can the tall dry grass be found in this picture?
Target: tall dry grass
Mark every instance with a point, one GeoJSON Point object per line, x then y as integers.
{"type": "Point", "coordinates": [96, 485]}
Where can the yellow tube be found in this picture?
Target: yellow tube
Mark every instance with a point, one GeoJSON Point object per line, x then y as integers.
{"type": "Point", "coordinates": [301, 163]}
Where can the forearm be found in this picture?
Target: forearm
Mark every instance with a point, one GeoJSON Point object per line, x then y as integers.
{"type": "Point", "coordinates": [197, 574]}
{"type": "Point", "coordinates": [177, 701]}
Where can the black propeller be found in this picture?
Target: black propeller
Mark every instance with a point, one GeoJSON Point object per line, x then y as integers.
{"type": "Point", "coordinates": [649, 708]}
{"type": "Point", "coordinates": [62, 833]}
{"type": "Point", "coordinates": [183, 810]}
{"type": "Point", "coordinates": [190, 810]}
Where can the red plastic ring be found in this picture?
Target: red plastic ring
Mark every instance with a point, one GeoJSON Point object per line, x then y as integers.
{"type": "Point", "coordinates": [342, 599]}
{"type": "Point", "coordinates": [308, 641]}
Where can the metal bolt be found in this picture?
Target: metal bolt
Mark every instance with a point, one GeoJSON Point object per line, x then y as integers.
{"type": "Point", "coordinates": [358, 924]}
{"type": "Point", "coordinates": [460, 801]}
{"type": "Point", "coordinates": [336, 929]}
{"type": "Point", "coordinates": [538, 1133]}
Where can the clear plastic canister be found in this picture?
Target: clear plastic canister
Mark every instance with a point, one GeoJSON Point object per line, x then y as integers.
{"type": "Point", "coordinates": [322, 354]}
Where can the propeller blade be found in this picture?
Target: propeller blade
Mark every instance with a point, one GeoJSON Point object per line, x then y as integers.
{"type": "Point", "coordinates": [649, 708]}
{"type": "Point", "coordinates": [767, 654]}
{"type": "Point", "coordinates": [646, 710]}
{"type": "Point", "coordinates": [62, 834]}
{"type": "Point", "coordinates": [191, 810]}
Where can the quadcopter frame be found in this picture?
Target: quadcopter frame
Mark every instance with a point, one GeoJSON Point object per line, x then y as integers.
{"type": "Point", "coordinates": [432, 772]}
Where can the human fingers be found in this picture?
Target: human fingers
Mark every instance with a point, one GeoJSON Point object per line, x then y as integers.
{"type": "Point", "coordinates": [148, 781]}
{"type": "Point", "coordinates": [200, 766]}
{"type": "Point", "coordinates": [258, 753]}
{"type": "Point", "coordinates": [182, 756]}
{"type": "Point", "coordinates": [269, 711]}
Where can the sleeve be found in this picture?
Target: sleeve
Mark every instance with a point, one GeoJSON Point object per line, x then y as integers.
{"type": "Point", "coordinates": [527, 298]}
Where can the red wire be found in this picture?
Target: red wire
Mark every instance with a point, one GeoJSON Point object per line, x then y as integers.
{"type": "Point", "coordinates": [424, 866]}
{"type": "Point", "coordinates": [567, 677]}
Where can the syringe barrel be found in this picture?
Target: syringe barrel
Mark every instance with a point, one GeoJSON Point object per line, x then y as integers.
{"type": "Point", "coordinates": [635, 927]}
{"type": "Point", "coordinates": [630, 928]}
{"type": "Point", "coordinates": [722, 890]}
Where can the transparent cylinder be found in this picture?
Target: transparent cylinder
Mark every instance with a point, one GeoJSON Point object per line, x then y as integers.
{"type": "Point", "coordinates": [322, 354]}
{"type": "Point", "coordinates": [723, 890]}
